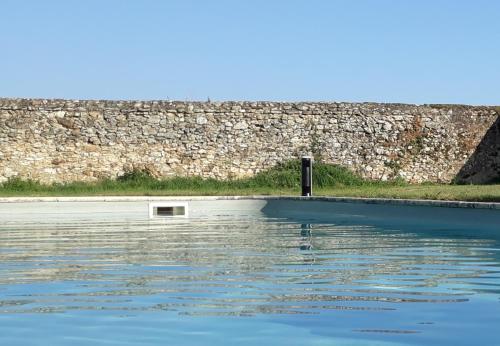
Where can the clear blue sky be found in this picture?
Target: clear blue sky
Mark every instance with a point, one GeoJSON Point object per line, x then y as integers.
{"type": "Point", "coordinates": [421, 51]}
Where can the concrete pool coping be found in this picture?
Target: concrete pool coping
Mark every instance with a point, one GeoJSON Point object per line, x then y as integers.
{"type": "Point", "coordinates": [388, 201]}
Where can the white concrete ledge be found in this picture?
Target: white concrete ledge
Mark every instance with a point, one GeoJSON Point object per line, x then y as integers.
{"type": "Point", "coordinates": [389, 201]}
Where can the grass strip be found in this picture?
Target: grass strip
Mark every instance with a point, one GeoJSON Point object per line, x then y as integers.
{"type": "Point", "coordinates": [284, 179]}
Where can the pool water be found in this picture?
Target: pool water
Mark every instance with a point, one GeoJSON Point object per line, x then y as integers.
{"type": "Point", "coordinates": [246, 281]}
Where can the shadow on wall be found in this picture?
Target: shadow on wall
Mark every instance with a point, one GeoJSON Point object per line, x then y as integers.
{"type": "Point", "coordinates": [483, 166]}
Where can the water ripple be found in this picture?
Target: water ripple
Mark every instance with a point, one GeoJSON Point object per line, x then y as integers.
{"type": "Point", "coordinates": [229, 267]}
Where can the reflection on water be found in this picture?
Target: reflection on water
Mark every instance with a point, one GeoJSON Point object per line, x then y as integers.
{"type": "Point", "coordinates": [240, 267]}
{"type": "Point", "coordinates": [236, 267]}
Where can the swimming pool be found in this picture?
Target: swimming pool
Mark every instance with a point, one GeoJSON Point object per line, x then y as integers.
{"type": "Point", "coordinates": [248, 272]}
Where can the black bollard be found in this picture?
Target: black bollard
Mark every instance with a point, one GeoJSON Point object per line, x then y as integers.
{"type": "Point", "coordinates": [307, 176]}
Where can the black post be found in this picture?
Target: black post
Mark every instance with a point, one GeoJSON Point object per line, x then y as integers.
{"type": "Point", "coordinates": [307, 175]}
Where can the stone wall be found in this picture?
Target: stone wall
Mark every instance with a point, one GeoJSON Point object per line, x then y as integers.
{"type": "Point", "coordinates": [62, 140]}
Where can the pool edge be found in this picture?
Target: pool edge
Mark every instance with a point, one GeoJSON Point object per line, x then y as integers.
{"type": "Point", "coordinates": [389, 201]}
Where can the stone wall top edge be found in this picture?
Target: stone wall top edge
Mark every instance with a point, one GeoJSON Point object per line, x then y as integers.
{"type": "Point", "coordinates": [49, 102]}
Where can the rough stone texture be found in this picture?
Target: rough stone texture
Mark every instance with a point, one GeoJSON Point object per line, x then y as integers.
{"type": "Point", "coordinates": [484, 164]}
{"type": "Point", "coordinates": [63, 140]}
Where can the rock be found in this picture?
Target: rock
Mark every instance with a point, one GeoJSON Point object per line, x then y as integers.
{"type": "Point", "coordinates": [201, 120]}
{"type": "Point", "coordinates": [241, 125]}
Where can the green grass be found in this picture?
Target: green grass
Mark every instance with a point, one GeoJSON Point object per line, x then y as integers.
{"type": "Point", "coordinates": [329, 180]}
{"type": "Point", "coordinates": [471, 193]}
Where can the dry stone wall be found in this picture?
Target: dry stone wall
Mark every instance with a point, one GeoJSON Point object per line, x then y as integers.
{"type": "Point", "coordinates": [65, 140]}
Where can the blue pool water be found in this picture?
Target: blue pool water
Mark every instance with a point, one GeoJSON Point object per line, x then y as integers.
{"type": "Point", "coordinates": [246, 281]}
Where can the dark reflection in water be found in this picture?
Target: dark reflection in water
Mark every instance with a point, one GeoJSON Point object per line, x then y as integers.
{"type": "Point", "coordinates": [229, 267]}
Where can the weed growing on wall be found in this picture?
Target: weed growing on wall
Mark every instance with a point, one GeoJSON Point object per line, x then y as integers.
{"type": "Point", "coordinates": [284, 176]}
